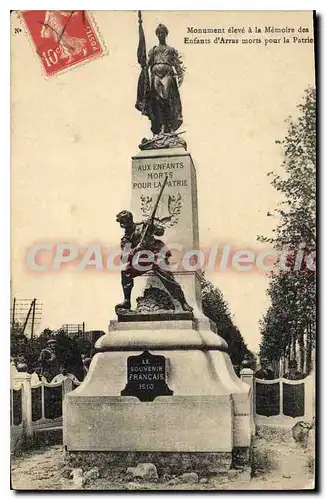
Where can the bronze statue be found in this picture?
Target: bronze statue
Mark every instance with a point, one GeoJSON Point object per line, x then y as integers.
{"type": "Point", "coordinates": [166, 74]}
{"type": "Point", "coordinates": [141, 236]}
{"type": "Point", "coordinates": [158, 93]}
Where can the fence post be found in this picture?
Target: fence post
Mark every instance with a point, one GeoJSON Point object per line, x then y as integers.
{"type": "Point", "coordinates": [24, 379]}
{"type": "Point", "coordinates": [247, 376]}
{"type": "Point", "coordinates": [309, 396]}
{"type": "Point", "coordinates": [66, 387]}
{"type": "Point", "coordinates": [281, 397]}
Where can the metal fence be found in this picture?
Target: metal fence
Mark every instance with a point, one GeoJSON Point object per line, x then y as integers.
{"type": "Point", "coordinates": [280, 397]}
{"type": "Point", "coordinates": [281, 401]}
{"type": "Point", "coordinates": [35, 405]}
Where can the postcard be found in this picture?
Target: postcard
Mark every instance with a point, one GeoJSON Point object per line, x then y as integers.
{"type": "Point", "coordinates": [163, 275]}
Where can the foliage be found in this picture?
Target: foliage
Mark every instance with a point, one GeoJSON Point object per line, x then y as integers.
{"type": "Point", "coordinates": [291, 316]}
{"type": "Point", "coordinates": [217, 310]}
{"type": "Point", "coordinates": [69, 350]}
{"type": "Point", "coordinates": [297, 211]}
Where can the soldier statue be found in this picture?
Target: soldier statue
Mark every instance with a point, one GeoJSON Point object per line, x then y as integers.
{"type": "Point", "coordinates": [138, 237]}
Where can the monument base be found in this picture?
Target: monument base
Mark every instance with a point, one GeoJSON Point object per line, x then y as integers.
{"type": "Point", "coordinates": [134, 316]}
{"type": "Point", "coordinates": [166, 462]}
{"type": "Point", "coordinates": [167, 424]}
{"type": "Point", "coordinates": [206, 409]}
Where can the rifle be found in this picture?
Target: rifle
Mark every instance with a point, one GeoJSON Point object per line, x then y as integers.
{"type": "Point", "coordinates": [154, 212]}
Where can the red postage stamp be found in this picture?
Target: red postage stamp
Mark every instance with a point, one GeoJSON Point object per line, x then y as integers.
{"type": "Point", "coordinates": [62, 38]}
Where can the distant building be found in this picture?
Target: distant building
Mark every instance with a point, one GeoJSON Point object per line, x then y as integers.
{"type": "Point", "coordinates": [74, 330]}
{"type": "Point", "coordinates": [77, 331]}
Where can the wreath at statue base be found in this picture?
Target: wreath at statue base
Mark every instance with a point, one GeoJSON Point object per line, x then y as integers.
{"type": "Point", "coordinates": [163, 141]}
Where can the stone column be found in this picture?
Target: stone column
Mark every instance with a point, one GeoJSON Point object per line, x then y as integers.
{"type": "Point", "coordinates": [179, 200]}
{"type": "Point", "coordinates": [24, 379]}
{"type": "Point", "coordinates": [247, 376]}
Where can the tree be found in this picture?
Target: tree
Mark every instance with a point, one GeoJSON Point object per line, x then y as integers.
{"type": "Point", "coordinates": [297, 211]}
{"type": "Point", "coordinates": [291, 316]}
{"type": "Point", "coordinates": [217, 310]}
{"type": "Point", "coordinates": [69, 350]}
{"type": "Point", "coordinates": [18, 341]}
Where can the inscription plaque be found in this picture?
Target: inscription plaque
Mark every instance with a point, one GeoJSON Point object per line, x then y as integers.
{"type": "Point", "coordinates": [146, 377]}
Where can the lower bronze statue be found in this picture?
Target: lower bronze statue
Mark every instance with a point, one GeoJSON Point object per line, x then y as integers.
{"type": "Point", "coordinates": [140, 237]}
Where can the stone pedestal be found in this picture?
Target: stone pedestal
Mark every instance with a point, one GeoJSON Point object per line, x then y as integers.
{"type": "Point", "coordinates": [179, 204]}
{"type": "Point", "coordinates": [208, 413]}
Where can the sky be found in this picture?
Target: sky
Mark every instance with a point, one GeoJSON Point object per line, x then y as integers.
{"type": "Point", "coordinates": [73, 137]}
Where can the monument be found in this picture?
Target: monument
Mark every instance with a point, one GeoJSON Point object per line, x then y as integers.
{"type": "Point", "coordinates": [161, 387]}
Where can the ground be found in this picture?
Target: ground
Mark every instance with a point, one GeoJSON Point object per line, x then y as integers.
{"type": "Point", "coordinates": [277, 465]}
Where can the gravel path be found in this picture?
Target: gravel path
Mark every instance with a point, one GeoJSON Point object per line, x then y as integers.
{"type": "Point", "coordinates": [43, 470]}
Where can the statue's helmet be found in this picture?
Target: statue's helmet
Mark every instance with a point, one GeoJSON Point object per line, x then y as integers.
{"type": "Point", "coordinates": [161, 28]}
{"type": "Point", "coordinates": [125, 217]}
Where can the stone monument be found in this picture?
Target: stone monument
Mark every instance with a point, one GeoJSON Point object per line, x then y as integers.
{"type": "Point", "coordinates": [161, 387]}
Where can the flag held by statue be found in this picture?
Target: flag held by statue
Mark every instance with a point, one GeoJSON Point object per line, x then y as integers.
{"type": "Point", "coordinates": [143, 103]}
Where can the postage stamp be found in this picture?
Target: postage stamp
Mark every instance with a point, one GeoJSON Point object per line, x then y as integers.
{"type": "Point", "coordinates": [62, 38]}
